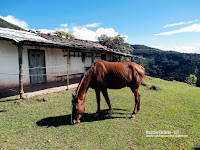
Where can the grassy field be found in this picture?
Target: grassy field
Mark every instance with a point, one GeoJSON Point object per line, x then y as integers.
{"type": "Point", "coordinates": [45, 125]}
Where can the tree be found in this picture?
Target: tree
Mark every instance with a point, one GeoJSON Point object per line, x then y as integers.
{"type": "Point", "coordinates": [116, 43]}
{"type": "Point", "coordinates": [67, 35]}
{"type": "Point", "coordinates": [192, 79]}
{"type": "Point", "coordinates": [196, 70]}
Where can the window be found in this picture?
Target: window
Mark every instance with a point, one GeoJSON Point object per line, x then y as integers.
{"type": "Point", "coordinates": [103, 57]}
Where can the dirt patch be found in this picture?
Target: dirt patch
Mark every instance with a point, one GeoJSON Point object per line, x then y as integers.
{"type": "Point", "coordinates": [20, 104]}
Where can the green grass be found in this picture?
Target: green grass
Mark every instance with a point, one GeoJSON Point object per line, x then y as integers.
{"type": "Point", "coordinates": [45, 125]}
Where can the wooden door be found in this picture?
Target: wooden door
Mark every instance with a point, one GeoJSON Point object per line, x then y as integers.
{"type": "Point", "coordinates": [37, 66]}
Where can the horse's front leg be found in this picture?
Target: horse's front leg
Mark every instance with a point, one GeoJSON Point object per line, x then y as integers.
{"type": "Point", "coordinates": [98, 103]}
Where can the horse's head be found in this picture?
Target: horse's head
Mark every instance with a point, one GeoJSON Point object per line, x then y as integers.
{"type": "Point", "coordinates": [78, 109]}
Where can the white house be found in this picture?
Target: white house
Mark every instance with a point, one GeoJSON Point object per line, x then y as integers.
{"type": "Point", "coordinates": [33, 58]}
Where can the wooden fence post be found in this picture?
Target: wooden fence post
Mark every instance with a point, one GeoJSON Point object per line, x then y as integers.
{"type": "Point", "coordinates": [68, 55]}
{"type": "Point", "coordinates": [132, 60]}
{"type": "Point", "coordinates": [20, 54]}
{"type": "Point", "coordinates": [93, 56]}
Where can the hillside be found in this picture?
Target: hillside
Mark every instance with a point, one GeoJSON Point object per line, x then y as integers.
{"type": "Point", "coordinates": [143, 47]}
{"type": "Point", "coordinates": [5, 24]}
{"type": "Point", "coordinates": [168, 65]}
{"type": "Point", "coordinates": [45, 125]}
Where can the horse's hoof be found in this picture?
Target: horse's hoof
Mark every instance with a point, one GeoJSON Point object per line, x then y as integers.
{"type": "Point", "coordinates": [132, 117]}
{"type": "Point", "coordinates": [75, 122]}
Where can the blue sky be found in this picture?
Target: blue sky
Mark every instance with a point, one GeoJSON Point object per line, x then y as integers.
{"type": "Point", "coordinates": [164, 24]}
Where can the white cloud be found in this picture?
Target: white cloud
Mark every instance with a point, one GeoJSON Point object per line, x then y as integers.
{"type": "Point", "coordinates": [180, 23]}
{"type": "Point", "coordinates": [63, 25]}
{"type": "Point", "coordinates": [186, 49]}
{"type": "Point", "coordinates": [46, 30]}
{"type": "Point", "coordinates": [107, 31]}
{"type": "Point", "coordinates": [75, 28]}
{"type": "Point", "coordinates": [86, 34]}
{"type": "Point", "coordinates": [62, 29]}
{"type": "Point", "coordinates": [50, 31]}
{"type": "Point", "coordinates": [154, 38]}
{"type": "Point", "coordinates": [93, 25]}
{"type": "Point", "coordinates": [158, 47]}
{"type": "Point", "coordinates": [192, 28]}
{"type": "Point", "coordinates": [125, 37]}
{"type": "Point", "coordinates": [182, 49]}
{"type": "Point", "coordinates": [15, 21]}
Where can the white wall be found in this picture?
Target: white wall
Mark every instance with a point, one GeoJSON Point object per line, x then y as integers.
{"type": "Point", "coordinates": [8, 64]}
{"type": "Point", "coordinates": [56, 63]}
{"type": "Point", "coordinates": [53, 57]}
{"type": "Point", "coordinates": [97, 58]}
{"type": "Point", "coordinates": [76, 65]}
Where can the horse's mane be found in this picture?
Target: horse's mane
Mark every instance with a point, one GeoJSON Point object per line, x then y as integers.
{"type": "Point", "coordinates": [88, 72]}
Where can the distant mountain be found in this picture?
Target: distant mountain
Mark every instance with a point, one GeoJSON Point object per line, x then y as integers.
{"type": "Point", "coordinates": [143, 47]}
{"type": "Point", "coordinates": [5, 24]}
{"type": "Point", "coordinates": [168, 65]}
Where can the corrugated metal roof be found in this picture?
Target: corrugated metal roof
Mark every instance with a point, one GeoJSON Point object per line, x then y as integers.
{"type": "Point", "coordinates": [19, 36]}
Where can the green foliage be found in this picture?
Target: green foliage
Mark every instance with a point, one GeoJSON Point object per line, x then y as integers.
{"type": "Point", "coordinates": [5, 24]}
{"type": "Point", "coordinates": [168, 65]}
{"type": "Point", "coordinates": [192, 80]}
{"type": "Point", "coordinates": [116, 43]}
{"type": "Point", "coordinates": [67, 35]}
{"type": "Point", "coordinates": [174, 108]}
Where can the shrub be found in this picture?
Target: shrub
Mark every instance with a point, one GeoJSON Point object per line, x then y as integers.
{"type": "Point", "coordinates": [192, 80]}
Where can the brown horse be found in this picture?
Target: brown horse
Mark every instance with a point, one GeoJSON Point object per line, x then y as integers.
{"type": "Point", "coordinates": [102, 75]}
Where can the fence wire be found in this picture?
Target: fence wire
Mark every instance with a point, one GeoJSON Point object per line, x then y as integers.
{"type": "Point", "coordinates": [50, 74]}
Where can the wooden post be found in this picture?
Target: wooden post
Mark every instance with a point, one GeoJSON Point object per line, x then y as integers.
{"type": "Point", "coordinates": [20, 54]}
{"type": "Point", "coordinates": [68, 55]}
{"type": "Point", "coordinates": [93, 56]}
{"type": "Point", "coordinates": [120, 58]}
{"type": "Point", "coordinates": [131, 59]}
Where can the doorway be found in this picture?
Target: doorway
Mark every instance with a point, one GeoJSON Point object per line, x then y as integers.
{"type": "Point", "coordinates": [37, 68]}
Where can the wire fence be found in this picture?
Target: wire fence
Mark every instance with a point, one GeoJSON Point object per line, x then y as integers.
{"type": "Point", "coordinates": [47, 74]}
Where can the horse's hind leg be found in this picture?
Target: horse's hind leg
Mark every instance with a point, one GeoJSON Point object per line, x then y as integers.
{"type": "Point", "coordinates": [137, 101]}
{"type": "Point", "coordinates": [139, 107]}
{"type": "Point", "coordinates": [105, 94]}
{"type": "Point", "coordinates": [98, 103]}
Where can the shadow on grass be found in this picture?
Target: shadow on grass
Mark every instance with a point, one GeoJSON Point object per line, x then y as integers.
{"type": "Point", "coordinates": [3, 111]}
{"type": "Point", "coordinates": [65, 120]}
{"type": "Point", "coordinates": [9, 100]}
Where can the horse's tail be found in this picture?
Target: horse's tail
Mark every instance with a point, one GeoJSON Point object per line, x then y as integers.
{"type": "Point", "coordinates": [144, 84]}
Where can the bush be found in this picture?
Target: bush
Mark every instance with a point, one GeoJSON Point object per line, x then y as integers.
{"type": "Point", "coordinates": [192, 80]}
{"type": "Point", "coordinates": [67, 35]}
